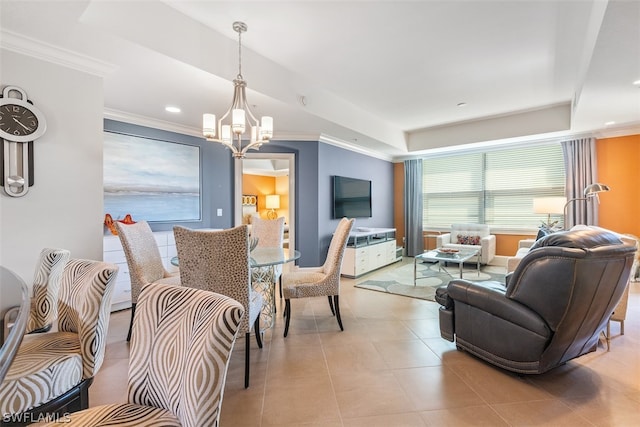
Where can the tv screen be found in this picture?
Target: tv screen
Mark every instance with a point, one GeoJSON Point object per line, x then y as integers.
{"type": "Point", "coordinates": [351, 197]}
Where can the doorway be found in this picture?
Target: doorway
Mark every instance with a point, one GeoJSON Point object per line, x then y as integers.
{"type": "Point", "coordinates": [280, 166]}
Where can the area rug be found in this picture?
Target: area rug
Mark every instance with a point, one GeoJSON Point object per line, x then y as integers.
{"type": "Point", "coordinates": [399, 280]}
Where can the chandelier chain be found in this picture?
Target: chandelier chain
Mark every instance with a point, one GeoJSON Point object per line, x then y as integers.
{"type": "Point", "coordinates": [240, 54]}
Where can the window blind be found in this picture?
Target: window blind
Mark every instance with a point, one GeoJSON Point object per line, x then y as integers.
{"type": "Point", "coordinates": [495, 187]}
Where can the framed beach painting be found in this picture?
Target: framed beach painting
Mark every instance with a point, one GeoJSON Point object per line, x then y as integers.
{"type": "Point", "coordinates": [150, 179]}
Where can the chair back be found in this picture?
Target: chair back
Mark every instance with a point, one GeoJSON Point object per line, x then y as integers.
{"type": "Point", "coordinates": [142, 253]}
{"type": "Point", "coordinates": [270, 232]}
{"type": "Point", "coordinates": [84, 306]}
{"type": "Point", "coordinates": [46, 285]}
{"type": "Point", "coordinates": [573, 280]}
{"type": "Point", "coordinates": [216, 261]}
{"type": "Point", "coordinates": [198, 330]}
{"type": "Point", "coordinates": [333, 262]}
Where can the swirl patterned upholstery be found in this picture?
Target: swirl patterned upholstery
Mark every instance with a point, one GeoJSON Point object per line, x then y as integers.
{"type": "Point", "coordinates": [143, 259]}
{"type": "Point", "coordinates": [46, 285]}
{"type": "Point", "coordinates": [198, 328]}
{"type": "Point", "coordinates": [51, 372]}
{"type": "Point", "coordinates": [321, 281]}
{"type": "Point", "coordinates": [218, 261]}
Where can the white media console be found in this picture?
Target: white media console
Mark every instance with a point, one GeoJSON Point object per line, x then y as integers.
{"type": "Point", "coordinates": [369, 249]}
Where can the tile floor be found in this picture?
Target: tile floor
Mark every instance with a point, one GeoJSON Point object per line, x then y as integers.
{"type": "Point", "coordinates": [391, 368]}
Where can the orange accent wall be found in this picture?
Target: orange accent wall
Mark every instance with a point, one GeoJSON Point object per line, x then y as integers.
{"type": "Point", "coordinates": [398, 202]}
{"type": "Point", "coordinates": [261, 186]}
{"type": "Point", "coordinates": [619, 168]}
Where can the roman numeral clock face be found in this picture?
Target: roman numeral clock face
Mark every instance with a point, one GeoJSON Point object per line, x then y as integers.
{"type": "Point", "coordinates": [20, 121]}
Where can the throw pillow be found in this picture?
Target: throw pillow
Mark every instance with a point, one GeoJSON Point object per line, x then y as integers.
{"type": "Point", "coordinates": [463, 239]}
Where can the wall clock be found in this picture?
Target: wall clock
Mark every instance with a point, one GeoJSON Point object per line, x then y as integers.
{"type": "Point", "coordinates": [20, 124]}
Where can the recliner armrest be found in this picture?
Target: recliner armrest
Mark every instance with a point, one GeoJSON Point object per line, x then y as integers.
{"type": "Point", "coordinates": [490, 297]}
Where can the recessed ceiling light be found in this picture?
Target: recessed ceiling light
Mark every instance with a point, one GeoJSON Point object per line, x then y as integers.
{"type": "Point", "coordinates": [462, 104]}
{"type": "Point", "coordinates": [637, 83]}
{"type": "Point", "coordinates": [172, 109]}
{"type": "Point", "coordinates": [610, 123]}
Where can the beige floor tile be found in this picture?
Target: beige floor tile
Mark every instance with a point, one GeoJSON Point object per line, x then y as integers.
{"type": "Point", "coordinates": [305, 400]}
{"type": "Point", "coordinates": [541, 412]}
{"type": "Point", "coordinates": [370, 393]}
{"type": "Point", "coordinates": [407, 354]}
{"type": "Point", "coordinates": [412, 419]}
{"type": "Point", "coordinates": [110, 385]}
{"type": "Point", "coordinates": [609, 407]}
{"type": "Point", "coordinates": [495, 385]}
{"type": "Point", "coordinates": [355, 357]}
{"type": "Point", "coordinates": [295, 362]}
{"type": "Point", "coordinates": [386, 330]}
{"type": "Point", "coordinates": [463, 417]}
{"type": "Point", "coordinates": [436, 388]}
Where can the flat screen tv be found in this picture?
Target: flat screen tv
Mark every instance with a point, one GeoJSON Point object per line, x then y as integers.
{"type": "Point", "coordinates": [351, 197]}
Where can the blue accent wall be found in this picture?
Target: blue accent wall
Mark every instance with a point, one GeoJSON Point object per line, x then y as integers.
{"type": "Point", "coordinates": [216, 175]}
{"type": "Point", "coordinates": [316, 163]}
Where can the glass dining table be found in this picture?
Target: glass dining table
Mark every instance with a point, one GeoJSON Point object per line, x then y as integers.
{"type": "Point", "coordinates": [263, 262]}
{"type": "Point", "coordinates": [14, 313]}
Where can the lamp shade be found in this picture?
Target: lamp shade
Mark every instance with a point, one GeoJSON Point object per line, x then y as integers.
{"type": "Point", "coordinates": [273, 201]}
{"type": "Point", "coordinates": [549, 205]}
{"type": "Point", "coordinates": [592, 189]}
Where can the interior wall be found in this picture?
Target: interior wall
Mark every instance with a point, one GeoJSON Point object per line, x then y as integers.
{"type": "Point", "coordinates": [64, 207]}
{"type": "Point", "coordinates": [282, 189]}
{"type": "Point", "coordinates": [216, 179]}
{"type": "Point", "coordinates": [261, 186]}
{"type": "Point", "coordinates": [618, 167]}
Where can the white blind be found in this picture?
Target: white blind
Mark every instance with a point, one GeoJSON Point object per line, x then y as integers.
{"type": "Point", "coordinates": [495, 187]}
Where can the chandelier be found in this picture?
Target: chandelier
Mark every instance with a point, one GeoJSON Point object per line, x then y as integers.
{"type": "Point", "coordinates": [239, 116]}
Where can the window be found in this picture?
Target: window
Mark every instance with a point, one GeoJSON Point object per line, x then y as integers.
{"type": "Point", "coordinates": [495, 187]}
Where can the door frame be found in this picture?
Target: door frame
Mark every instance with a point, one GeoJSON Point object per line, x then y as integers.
{"type": "Point", "coordinates": [238, 166]}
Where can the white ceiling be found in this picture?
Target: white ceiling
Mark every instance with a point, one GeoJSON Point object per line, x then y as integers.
{"type": "Point", "coordinates": [382, 76]}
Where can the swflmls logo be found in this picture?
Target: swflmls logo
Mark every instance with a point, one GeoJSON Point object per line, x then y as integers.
{"type": "Point", "coordinates": [36, 418]}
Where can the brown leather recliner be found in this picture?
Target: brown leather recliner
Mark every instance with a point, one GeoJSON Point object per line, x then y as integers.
{"type": "Point", "coordinates": [552, 309]}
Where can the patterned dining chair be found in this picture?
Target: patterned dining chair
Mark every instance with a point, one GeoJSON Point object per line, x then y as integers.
{"type": "Point", "coordinates": [319, 281]}
{"type": "Point", "coordinates": [198, 329]}
{"type": "Point", "coordinates": [218, 261]}
{"type": "Point", "coordinates": [270, 234]}
{"type": "Point", "coordinates": [51, 372]}
{"type": "Point", "coordinates": [46, 285]}
{"type": "Point", "coordinates": [143, 259]}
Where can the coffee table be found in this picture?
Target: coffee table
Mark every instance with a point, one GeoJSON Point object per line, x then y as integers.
{"type": "Point", "coordinates": [441, 257]}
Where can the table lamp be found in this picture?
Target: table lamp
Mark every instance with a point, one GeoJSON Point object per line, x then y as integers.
{"type": "Point", "coordinates": [549, 205]}
{"type": "Point", "coordinates": [272, 203]}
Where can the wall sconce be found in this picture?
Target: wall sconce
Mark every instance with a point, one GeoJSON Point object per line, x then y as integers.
{"type": "Point", "coordinates": [590, 191]}
{"type": "Point", "coordinates": [272, 203]}
{"type": "Point", "coordinates": [549, 205]}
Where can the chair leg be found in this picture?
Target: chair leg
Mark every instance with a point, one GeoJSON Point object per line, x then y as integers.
{"type": "Point", "coordinates": [246, 359]}
{"type": "Point", "coordinates": [287, 316]}
{"type": "Point", "coordinates": [336, 303]}
{"type": "Point", "coordinates": [280, 285]}
{"type": "Point", "coordinates": [622, 327]}
{"type": "Point", "coordinates": [333, 312]}
{"type": "Point", "coordinates": [133, 312]}
{"type": "Point", "coordinates": [256, 329]}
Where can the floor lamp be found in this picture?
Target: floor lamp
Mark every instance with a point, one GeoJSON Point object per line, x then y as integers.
{"type": "Point", "coordinates": [590, 191]}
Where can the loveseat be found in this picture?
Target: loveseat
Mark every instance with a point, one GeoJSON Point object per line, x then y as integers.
{"type": "Point", "coordinates": [475, 236]}
{"type": "Point", "coordinates": [551, 309]}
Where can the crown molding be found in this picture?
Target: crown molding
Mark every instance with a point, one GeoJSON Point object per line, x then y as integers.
{"type": "Point", "coordinates": [38, 49]}
{"type": "Point", "coordinates": [134, 119]}
{"type": "Point", "coordinates": [337, 142]}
